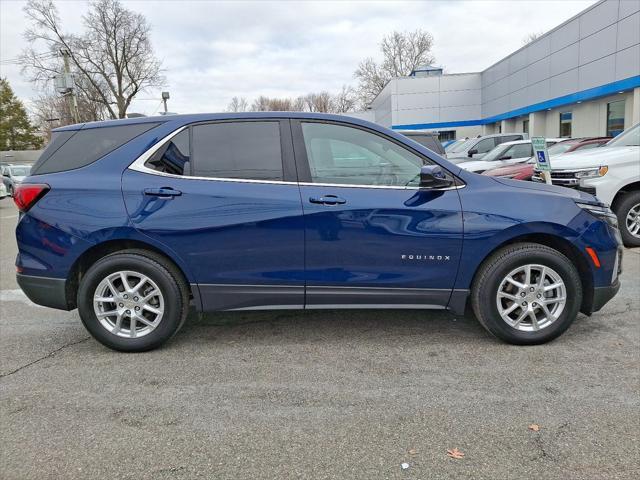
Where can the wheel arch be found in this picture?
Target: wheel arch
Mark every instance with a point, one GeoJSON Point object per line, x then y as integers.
{"type": "Point", "coordinates": [96, 252]}
{"type": "Point", "coordinates": [565, 247]}
{"type": "Point", "coordinates": [629, 187]}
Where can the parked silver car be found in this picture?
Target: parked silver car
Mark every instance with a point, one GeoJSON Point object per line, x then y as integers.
{"type": "Point", "coordinates": [14, 174]}
{"type": "Point", "coordinates": [476, 147]}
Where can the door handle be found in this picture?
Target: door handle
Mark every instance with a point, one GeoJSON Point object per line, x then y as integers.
{"type": "Point", "coordinates": [328, 200]}
{"type": "Point", "coordinates": [162, 192]}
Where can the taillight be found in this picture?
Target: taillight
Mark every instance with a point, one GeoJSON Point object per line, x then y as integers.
{"type": "Point", "coordinates": [25, 195]}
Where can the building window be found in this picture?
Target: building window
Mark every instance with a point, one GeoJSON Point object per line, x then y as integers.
{"type": "Point", "coordinates": [498, 127]}
{"type": "Point", "coordinates": [615, 118]}
{"type": "Point", "coordinates": [525, 126]}
{"type": "Point", "coordinates": [565, 123]}
{"type": "Point", "coordinates": [446, 135]}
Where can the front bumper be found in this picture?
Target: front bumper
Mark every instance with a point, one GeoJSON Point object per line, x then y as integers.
{"type": "Point", "coordinates": [45, 291]}
{"type": "Point", "coordinates": [602, 295]}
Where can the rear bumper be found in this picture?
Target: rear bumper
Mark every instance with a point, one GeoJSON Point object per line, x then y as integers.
{"type": "Point", "coordinates": [45, 291]}
{"type": "Point", "coordinates": [602, 295]}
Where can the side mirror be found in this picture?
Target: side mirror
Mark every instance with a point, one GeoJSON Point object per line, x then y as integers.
{"type": "Point", "coordinates": [471, 153]}
{"type": "Point", "coordinates": [432, 177]}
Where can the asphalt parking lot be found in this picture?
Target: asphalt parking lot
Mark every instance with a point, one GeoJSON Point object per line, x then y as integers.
{"type": "Point", "coordinates": [333, 394]}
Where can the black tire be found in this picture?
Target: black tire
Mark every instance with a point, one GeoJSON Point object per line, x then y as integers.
{"type": "Point", "coordinates": [628, 201]}
{"type": "Point", "coordinates": [491, 274]}
{"type": "Point", "coordinates": [167, 277]}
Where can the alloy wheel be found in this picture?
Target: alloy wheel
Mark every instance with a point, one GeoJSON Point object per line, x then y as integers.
{"type": "Point", "coordinates": [633, 220]}
{"type": "Point", "coordinates": [128, 304]}
{"type": "Point", "coordinates": [531, 297]}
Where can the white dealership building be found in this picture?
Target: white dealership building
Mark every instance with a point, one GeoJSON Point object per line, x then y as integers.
{"type": "Point", "coordinates": [580, 79]}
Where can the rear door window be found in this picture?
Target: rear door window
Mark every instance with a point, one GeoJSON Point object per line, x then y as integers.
{"type": "Point", "coordinates": [79, 148]}
{"type": "Point", "coordinates": [237, 150]}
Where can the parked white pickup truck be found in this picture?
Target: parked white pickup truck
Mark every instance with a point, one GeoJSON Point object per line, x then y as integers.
{"type": "Point", "coordinates": [612, 173]}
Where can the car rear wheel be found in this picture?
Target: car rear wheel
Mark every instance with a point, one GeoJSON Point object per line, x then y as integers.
{"type": "Point", "coordinates": [133, 300]}
{"type": "Point", "coordinates": [527, 294]}
{"type": "Point", "coordinates": [628, 213]}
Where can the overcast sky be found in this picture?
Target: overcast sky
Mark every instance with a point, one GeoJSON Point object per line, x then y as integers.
{"type": "Point", "coordinates": [213, 50]}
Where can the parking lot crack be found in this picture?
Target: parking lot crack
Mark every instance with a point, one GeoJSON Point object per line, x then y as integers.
{"type": "Point", "coordinates": [48, 355]}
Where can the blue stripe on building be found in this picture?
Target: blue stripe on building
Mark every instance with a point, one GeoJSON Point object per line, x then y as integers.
{"type": "Point", "coordinates": [589, 94]}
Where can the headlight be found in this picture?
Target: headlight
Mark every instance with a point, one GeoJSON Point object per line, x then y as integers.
{"type": "Point", "coordinates": [592, 172]}
{"type": "Point", "coordinates": [601, 213]}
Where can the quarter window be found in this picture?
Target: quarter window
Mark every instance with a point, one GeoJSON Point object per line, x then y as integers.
{"type": "Point", "coordinates": [346, 155]}
{"type": "Point", "coordinates": [173, 157]}
{"type": "Point", "coordinates": [242, 150]}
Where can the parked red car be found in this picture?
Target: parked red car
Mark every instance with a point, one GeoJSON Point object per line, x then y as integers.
{"type": "Point", "coordinates": [524, 171]}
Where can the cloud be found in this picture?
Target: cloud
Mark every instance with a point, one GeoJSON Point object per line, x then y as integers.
{"type": "Point", "coordinates": [212, 51]}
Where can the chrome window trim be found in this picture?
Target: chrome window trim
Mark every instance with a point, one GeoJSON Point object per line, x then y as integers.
{"type": "Point", "coordinates": [138, 165]}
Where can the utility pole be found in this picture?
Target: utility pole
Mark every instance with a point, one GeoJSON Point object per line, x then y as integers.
{"type": "Point", "coordinates": [70, 87]}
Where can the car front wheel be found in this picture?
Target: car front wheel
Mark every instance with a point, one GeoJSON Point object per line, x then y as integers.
{"type": "Point", "coordinates": [628, 213]}
{"type": "Point", "coordinates": [527, 294]}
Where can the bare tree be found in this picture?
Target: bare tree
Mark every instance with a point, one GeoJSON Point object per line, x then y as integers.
{"type": "Point", "coordinates": [318, 102]}
{"type": "Point", "coordinates": [50, 110]}
{"type": "Point", "coordinates": [324, 101]}
{"type": "Point", "coordinates": [260, 104]}
{"type": "Point", "coordinates": [267, 104]}
{"type": "Point", "coordinates": [402, 52]}
{"type": "Point", "coordinates": [112, 59]}
{"type": "Point", "coordinates": [345, 100]}
{"type": "Point", "coordinates": [238, 104]}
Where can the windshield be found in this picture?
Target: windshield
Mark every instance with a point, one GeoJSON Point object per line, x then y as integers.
{"type": "Point", "coordinates": [496, 153]}
{"type": "Point", "coordinates": [559, 148]}
{"type": "Point", "coordinates": [456, 143]}
{"type": "Point", "coordinates": [463, 146]}
{"type": "Point", "coordinates": [626, 139]}
{"type": "Point", "coordinates": [20, 171]}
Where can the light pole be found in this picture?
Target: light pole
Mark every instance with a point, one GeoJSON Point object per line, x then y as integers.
{"type": "Point", "coordinates": [165, 97]}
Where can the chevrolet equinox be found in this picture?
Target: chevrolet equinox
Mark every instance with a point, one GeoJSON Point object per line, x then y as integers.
{"type": "Point", "coordinates": [132, 221]}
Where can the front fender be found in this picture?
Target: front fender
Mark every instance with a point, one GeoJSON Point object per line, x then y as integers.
{"type": "Point", "coordinates": [483, 236]}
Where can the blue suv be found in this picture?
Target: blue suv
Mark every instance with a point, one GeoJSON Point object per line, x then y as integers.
{"type": "Point", "coordinates": [132, 221]}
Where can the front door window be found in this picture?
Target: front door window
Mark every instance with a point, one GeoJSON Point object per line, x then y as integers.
{"type": "Point", "coordinates": [351, 156]}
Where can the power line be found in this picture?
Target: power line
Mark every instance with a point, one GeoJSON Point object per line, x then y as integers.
{"type": "Point", "coordinates": [16, 60]}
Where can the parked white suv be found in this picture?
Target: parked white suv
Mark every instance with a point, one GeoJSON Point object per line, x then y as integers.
{"type": "Point", "coordinates": [612, 173]}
